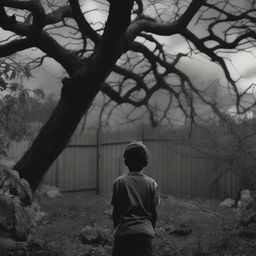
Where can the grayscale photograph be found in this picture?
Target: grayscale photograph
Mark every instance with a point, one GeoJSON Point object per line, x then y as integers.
{"type": "Point", "coordinates": [127, 128]}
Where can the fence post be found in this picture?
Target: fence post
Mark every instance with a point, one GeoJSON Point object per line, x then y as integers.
{"type": "Point", "coordinates": [98, 162]}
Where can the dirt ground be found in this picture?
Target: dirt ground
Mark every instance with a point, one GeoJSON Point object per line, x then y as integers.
{"type": "Point", "coordinates": [205, 228]}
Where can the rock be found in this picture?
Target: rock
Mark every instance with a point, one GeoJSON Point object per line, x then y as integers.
{"type": "Point", "coordinates": [22, 222]}
{"type": "Point", "coordinates": [15, 197]}
{"type": "Point", "coordinates": [179, 230]}
{"type": "Point", "coordinates": [247, 210]}
{"type": "Point", "coordinates": [14, 219]}
{"type": "Point", "coordinates": [94, 235]}
{"type": "Point", "coordinates": [50, 191]}
{"type": "Point", "coordinates": [89, 235]}
{"type": "Point", "coordinates": [7, 213]}
{"type": "Point", "coordinates": [53, 192]}
{"type": "Point", "coordinates": [246, 198]}
{"type": "Point", "coordinates": [227, 203]}
{"type": "Point", "coordinates": [25, 192]}
{"type": "Point", "coordinates": [182, 231]}
{"type": "Point", "coordinates": [13, 184]}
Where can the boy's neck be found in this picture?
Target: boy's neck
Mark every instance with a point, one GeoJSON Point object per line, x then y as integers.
{"type": "Point", "coordinates": [141, 171]}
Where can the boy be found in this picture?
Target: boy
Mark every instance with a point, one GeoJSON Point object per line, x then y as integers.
{"type": "Point", "coordinates": [135, 197]}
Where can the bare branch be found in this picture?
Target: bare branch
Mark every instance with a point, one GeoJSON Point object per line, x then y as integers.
{"type": "Point", "coordinates": [15, 46]}
{"type": "Point", "coordinates": [58, 15]}
{"type": "Point", "coordinates": [83, 25]}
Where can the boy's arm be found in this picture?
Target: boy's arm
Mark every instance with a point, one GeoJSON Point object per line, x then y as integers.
{"type": "Point", "coordinates": [115, 217]}
{"type": "Point", "coordinates": [115, 214]}
{"type": "Point", "coordinates": [155, 203]}
{"type": "Point", "coordinates": [154, 217]}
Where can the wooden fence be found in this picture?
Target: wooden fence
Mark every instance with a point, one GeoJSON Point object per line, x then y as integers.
{"type": "Point", "coordinates": [181, 166]}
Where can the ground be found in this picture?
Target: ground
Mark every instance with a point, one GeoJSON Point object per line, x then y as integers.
{"type": "Point", "coordinates": [208, 229]}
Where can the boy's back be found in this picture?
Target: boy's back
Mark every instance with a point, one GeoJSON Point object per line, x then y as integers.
{"type": "Point", "coordinates": [135, 198]}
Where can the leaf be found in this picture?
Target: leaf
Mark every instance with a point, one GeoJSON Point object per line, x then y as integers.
{"type": "Point", "coordinates": [14, 86]}
{"type": "Point", "coordinates": [39, 93]}
{"type": "Point", "coordinates": [27, 72]}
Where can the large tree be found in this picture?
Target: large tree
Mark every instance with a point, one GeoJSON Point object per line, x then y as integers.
{"type": "Point", "coordinates": [128, 45]}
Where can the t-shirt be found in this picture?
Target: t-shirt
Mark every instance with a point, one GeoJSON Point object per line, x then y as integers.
{"type": "Point", "coordinates": [135, 195]}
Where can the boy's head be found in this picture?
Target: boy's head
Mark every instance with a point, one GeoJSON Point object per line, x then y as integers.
{"type": "Point", "coordinates": [136, 156]}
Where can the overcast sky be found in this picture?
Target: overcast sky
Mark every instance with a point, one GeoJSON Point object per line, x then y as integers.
{"type": "Point", "coordinates": [241, 64]}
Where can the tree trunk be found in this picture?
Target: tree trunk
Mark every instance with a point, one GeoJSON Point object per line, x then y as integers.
{"type": "Point", "coordinates": [54, 135]}
{"type": "Point", "coordinates": [77, 95]}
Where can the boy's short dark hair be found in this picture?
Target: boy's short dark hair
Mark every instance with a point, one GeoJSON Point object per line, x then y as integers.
{"type": "Point", "coordinates": [136, 155]}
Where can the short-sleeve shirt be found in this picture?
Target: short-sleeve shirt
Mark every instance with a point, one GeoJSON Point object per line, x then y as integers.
{"type": "Point", "coordinates": [135, 195]}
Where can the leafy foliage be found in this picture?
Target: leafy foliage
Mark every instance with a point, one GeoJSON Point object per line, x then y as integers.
{"type": "Point", "coordinates": [22, 114]}
{"type": "Point", "coordinates": [22, 110]}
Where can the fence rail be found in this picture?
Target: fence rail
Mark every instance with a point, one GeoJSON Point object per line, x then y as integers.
{"type": "Point", "coordinates": [181, 166]}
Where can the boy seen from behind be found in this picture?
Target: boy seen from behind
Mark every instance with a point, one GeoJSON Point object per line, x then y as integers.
{"type": "Point", "coordinates": [134, 200]}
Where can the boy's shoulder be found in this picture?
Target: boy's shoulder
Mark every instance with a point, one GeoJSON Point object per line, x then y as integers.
{"type": "Point", "coordinates": [125, 176]}
{"type": "Point", "coordinates": [150, 180]}
{"type": "Point", "coordinates": [120, 178]}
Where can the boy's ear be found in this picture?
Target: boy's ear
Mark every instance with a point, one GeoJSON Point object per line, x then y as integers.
{"type": "Point", "coordinates": [125, 162]}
